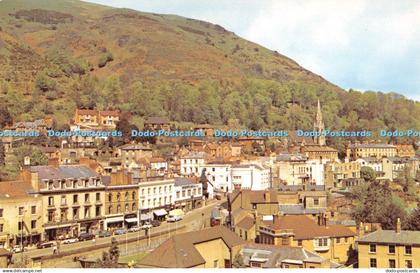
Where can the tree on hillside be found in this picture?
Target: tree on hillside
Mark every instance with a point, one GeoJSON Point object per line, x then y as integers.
{"type": "Point", "coordinates": [2, 154]}
{"type": "Point", "coordinates": [407, 180]}
{"type": "Point", "coordinates": [413, 220]}
{"type": "Point", "coordinates": [375, 203]}
{"type": "Point", "coordinates": [368, 174]}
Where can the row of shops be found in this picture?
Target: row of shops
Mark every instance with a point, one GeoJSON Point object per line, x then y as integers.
{"type": "Point", "coordinates": [71, 229]}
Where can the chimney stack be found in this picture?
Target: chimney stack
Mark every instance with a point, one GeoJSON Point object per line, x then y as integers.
{"type": "Point", "coordinates": [361, 229]}
{"type": "Point", "coordinates": [398, 230]}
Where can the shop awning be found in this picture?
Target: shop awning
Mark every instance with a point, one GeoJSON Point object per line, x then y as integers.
{"type": "Point", "coordinates": [114, 219]}
{"type": "Point", "coordinates": [132, 220]}
{"type": "Point", "coordinates": [145, 217]}
{"type": "Point", "coordinates": [160, 212]}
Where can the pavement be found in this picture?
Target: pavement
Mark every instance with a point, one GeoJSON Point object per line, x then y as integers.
{"type": "Point", "coordinates": [193, 220]}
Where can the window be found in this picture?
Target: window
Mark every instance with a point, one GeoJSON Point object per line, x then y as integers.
{"type": "Point", "coordinates": [1, 213]}
{"type": "Point", "coordinates": [75, 213]}
{"type": "Point", "coordinates": [391, 263]}
{"type": "Point", "coordinates": [126, 196]}
{"type": "Point", "coordinates": [21, 209]}
{"type": "Point", "coordinates": [346, 239]}
{"type": "Point", "coordinates": [337, 240]}
{"type": "Point", "coordinates": [215, 263]}
{"type": "Point", "coordinates": [33, 210]}
{"type": "Point", "coordinates": [33, 224]}
{"type": "Point", "coordinates": [299, 242]}
{"type": "Point", "coordinates": [391, 249]}
{"type": "Point", "coordinates": [20, 225]}
{"type": "Point", "coordinates": [109, 209]}
{"type": "Point", "coordinates": [373, 262]}
{"type": "Point", "coordinates": [372, 248]}
{"type": "Point", "coordinates": [97, 211]}
{"type": "Point", "coordinates": [50, 201]}
{"type": "Point", "coordinates": [408, 263]}
{"type": "Point", "coordinates": [408, 250]}
{"type": "Point", "coordinates": [75, 199]}
{"type": "Point", "coordinates": [110, 197]}
{"type": "Point", "coordinates": [87, 213]}
{"type": "Point", "coordinates": [321, 242]}
{"type": "Point", "coordinates": [98, 196]}
{"type": "Point", "coordinates": [316, 201]}
{"type": "Point", "coordinates": [1, 227]}
{"type": "Point", "coordinates": [51, 216]}
{"type": "Point", "coordinates": [87, 198]}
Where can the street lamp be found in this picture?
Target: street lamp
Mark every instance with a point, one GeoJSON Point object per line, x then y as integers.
{"type": "Point", "coordinates": [21, 216]}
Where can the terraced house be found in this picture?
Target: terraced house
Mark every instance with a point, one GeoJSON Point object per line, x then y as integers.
{"type": "Point", "coordinates": [389, 249]}
{"type": "Point", "coordinates": [333, 242]}
{"type": "Point", "coordinates": [20, 214]}
{"type": "Point", "coordinates": [72, 199]}
{"type": "Point", "coordinates": [121, 200]}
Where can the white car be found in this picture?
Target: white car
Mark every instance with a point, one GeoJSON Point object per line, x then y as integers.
{"type": "Point", "coordinates": [18, 249]}
{"type": "Point", "coordinates": [134, 229]}
{"type": "Point", "coordinates": [70, 241]}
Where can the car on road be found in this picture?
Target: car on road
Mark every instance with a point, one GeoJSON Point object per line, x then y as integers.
{"type": "Point", "coordinates": [146, 226]}
{"type": "Point", "coordinates": [120, 231]}
{"type": "Point", "coordinates": [104, 233]}
{"type": "Point", "coordinates": [155, 223]}
{"type": "Point", "coordinates": [174, 218]}
{"type": "Point", "coordinates": [45, 244]}
{"type": "Point", "coordinates": [70, 241]}
{"type": "Point", "coordinates": [134, 229]}
{"type": "Point", "coordinates": [86, 236]}
{"type": "Point", "coordinates": [18, 249]}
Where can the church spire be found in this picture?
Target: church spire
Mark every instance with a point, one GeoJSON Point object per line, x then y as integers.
{"type": "Point", "coordinates": [319, 126]}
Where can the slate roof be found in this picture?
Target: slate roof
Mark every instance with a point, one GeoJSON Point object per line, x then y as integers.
{"type": "Point", "coordinates": [371, 145]}
{"type": "Point", "coordinates": [134, 147]}
{"type": "Point", "coordinates": [298, 210]}
{"type": "Point", "coordinates": [183, 181]}
{"type": "Point", "coordinates": [295, 188]}
{"type": "Point", "coordinates": [272, 256]}
{"type": "Point", "coordinates": [291, 157]}
{"type": "Point", "coordinates": [179, 251]}
{"type": "Point", "coordinates": [405, 237]}
{"type": "Point", "coordinates": [63, 172]}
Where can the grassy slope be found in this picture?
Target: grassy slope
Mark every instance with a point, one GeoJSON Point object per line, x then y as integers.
{"type": "Point", "coordinates": [150, 47]}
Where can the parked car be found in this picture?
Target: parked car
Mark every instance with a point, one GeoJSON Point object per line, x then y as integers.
{"type": "Point", "coordinates": [18, 249]}
{"type": "Point", "coordinates": [120, 231]}
{"type": "Point", "coordinates": [86, 236]}
{"type": "Point", "coordinates": [146, 226]}
{"type": "Point", "coordinates": [45, 244]}
{"type": "Point", "coordinates": [155, 223]}
{"type": "Point", "coordinates": [134, 229]}
{"type": "Point", "coordinates": [174, 218]}
{"type": "Point", "coordinates": [70, 241]}
{"type": "Point", "coordinates": [104, 233]}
